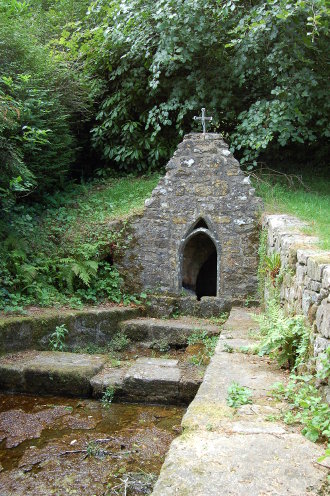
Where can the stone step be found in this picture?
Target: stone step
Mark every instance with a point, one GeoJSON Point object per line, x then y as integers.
{"type": "Point", "coordinates": [149, 380]}
{"type": "Point", "coordinates": [240, 328]}
{"type": "Point", "coordinates": [49, 372]}
{"type": "Point", "coordinates": [174, 331]}
{"type": "Point", "coordinates": [153, 380]}
{"type": "Point", "coordinates": [94, 326]}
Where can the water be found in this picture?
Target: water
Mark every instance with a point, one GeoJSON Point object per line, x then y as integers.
{"type": "Point", "coordinates": [63, 446]}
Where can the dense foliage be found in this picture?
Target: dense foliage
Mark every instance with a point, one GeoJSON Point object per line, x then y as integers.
{"type": "Point", "coordinates": [40, 100]}
{"type": "Point", "coordinates": [134, 72]}
{"type": "Point", "coordinates": [124, 78]}
{"type": "Point", "coordinates": [61, 252]}
{"type": "Point", "coordinates": [260, 67]}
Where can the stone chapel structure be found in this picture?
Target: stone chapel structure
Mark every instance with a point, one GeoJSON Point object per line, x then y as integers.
{"type": "Point", "coordinates": [199, 230]}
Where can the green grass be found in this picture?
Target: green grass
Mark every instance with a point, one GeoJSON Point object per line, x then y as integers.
{"type": "Point", "coordinates": [311, 205]}
{"type": "Point", "coordinates": [81, 214]}
{"type": "Point", "coordinates": [101, 202]}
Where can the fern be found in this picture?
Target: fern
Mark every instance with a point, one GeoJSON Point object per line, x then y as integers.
{"type": "Point", "coordinates": [29, 273]}
{"type": "Point", "coordinates": [84, 270]}
{"type": "Point", "coordinates": [273, 267]}
{"type": "Point", "coordinates": [286, 338]}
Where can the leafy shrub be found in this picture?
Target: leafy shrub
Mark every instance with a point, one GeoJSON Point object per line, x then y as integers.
{"type": "Point", "coordinates": [238, 395]}
{"type": "Point", "coordinates": [148, 79]}
{"type": "Point", "coordinates": [306, 407]}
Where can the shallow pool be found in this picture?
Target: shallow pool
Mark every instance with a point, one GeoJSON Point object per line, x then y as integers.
{"type": "Point", "coordinates": [64, 446]}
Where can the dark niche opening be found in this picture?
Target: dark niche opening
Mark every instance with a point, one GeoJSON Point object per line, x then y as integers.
{"type": "Point", "coordinates": [201, 223]}
{"type": "Point", "coordinates": [199, 270]}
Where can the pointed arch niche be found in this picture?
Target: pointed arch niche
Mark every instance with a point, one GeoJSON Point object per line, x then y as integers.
{"type": "Point", "coordinates": [200, 261]}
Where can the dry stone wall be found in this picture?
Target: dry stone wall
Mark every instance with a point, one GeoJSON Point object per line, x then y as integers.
{"type": "Point", "coordinates": [306, 283]}
{"type": "Point", "coordinates": [204, 208]}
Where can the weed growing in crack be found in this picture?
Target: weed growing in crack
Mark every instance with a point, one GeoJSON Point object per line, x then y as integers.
{"type": "Point", "coordinates": [108, 396]}
{"type": "Point", "coordinates": [119, 342]}
{"type": "Point", "coordinates": [209, 344]}
{"type": "Point", "coordinates": [238, 395]}
{"type": "Point", "coordinates": [56, 340]}
{"type": "Point", "coordinates": [198, 360]}
{"type": "Point", "coordinates": [161, 345]}
{"type": "Point", "coordinates": [94, 449]}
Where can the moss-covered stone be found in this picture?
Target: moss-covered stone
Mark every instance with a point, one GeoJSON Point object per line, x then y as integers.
{"type": "Point", "coordinates": [204, 413]}
{"type": "Point", "coordinates": [50, 373]}
{"type": "Point", "coordinates": [91, 326]}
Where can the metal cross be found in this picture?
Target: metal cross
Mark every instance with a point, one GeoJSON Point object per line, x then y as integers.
{"type": "Point", "coordinates": [203, 119]}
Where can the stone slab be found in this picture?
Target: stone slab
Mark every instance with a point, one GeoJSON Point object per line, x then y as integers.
{"type": "Point", "coordinates": [155, 379]}
{"type": "Point", "coordinates": [174, 331]}
{"type": "Point", "coordinates": [188, 386]}
{"type": "Point", "coordinates": [108, 377]}
{"type": "Point", "coordinates": [238, 452]}
{"type": "Point", "coordinates": [90, 326]}
{"type": "Point", "coordinates": [161, 306]}
{"type": "Point", "coordinates": [158, 362]}
{"type": "Point", "coordinates": [217, 464]}
{"type": "Point", "coordinates": [148, 380]}
{"type": "Point", "coordinates": [49, 372]}
{"type": "Point", "coordinates": [152, 381]}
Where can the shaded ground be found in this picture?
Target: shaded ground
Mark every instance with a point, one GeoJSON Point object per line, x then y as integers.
{"type": "Point", "coordinates": [60, 446]}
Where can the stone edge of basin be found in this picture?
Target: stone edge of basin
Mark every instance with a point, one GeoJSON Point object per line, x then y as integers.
{"type": "Point", "coordinates": [210, 457]}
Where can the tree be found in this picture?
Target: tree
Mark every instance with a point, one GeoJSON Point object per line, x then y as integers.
{"type": "Point", "coordinates": [40, 100]}
{"type": "Point", "coordinates": [260, 67]}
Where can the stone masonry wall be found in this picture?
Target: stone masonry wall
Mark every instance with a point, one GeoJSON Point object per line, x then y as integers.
{"type": "Point", "coordinates": [306, 283]}
{"type": "Point", "coordinates": [203, 183]}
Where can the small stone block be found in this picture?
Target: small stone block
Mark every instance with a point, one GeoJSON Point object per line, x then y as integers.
{"type": "Point", "coordinates": [149, 382]}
